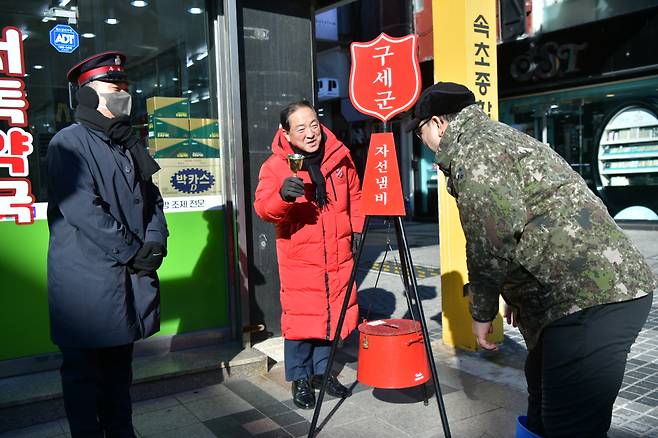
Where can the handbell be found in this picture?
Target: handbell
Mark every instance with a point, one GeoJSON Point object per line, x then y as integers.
{"type": "Point", "coordinates": [295, 162]}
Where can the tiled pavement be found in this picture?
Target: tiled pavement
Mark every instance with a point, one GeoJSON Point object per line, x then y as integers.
{"type": "Point", "coordinates": [483, 393]}
{"type": "Point", "coordinates": [262, 407]}
{"type": "Point", "coordinates": [636, 408]}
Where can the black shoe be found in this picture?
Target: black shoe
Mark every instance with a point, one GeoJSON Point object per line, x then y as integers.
{"type": "Point", "coordinates": [334, 387]}
{"type": "Point", "coordinates": [302, 394]}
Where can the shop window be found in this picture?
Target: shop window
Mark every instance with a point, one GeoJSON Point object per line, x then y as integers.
{"type": "Point", "coordinates": [608, 134]}
{"type": "Point", "coordinates": [170, 67]}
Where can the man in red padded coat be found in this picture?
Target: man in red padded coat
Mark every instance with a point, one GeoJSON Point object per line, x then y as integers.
{"type": "Point", "coordinates": [318, 223]}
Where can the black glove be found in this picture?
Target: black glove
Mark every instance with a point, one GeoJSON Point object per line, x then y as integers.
{"type": "Point", "coordinates": [356, 242]}
{"type": "Point", "coordinates": [292, 188]}
{"type": "Point", "coordinates": [148, 259]}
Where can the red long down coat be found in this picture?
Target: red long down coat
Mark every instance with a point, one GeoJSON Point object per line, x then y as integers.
{"type": "Point", "coordinates": [314, 247]}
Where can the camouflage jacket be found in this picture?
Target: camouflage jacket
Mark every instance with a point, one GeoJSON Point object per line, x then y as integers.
{"type": "Point", "coordinates": [535, 233]}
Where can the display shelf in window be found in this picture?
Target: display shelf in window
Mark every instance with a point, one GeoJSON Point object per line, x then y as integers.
{"type": "Point", "coordinates": [628, 149]}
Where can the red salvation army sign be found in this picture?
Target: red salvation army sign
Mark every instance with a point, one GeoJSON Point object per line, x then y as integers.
{"type": "Point", "coordinates": [385, 77]}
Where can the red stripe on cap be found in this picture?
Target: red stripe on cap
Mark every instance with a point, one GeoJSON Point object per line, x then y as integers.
{"type": "Point", "coordinates": [97, 71]}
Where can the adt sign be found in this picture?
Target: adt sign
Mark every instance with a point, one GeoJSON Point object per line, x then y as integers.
{"type": "Point", "coordinates": [64, 38]}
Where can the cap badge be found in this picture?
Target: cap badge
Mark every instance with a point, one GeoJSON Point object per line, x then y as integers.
{"type": "Point", "coordinates": [117, 60]}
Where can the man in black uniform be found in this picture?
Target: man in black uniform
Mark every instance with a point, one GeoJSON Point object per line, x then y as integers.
{"type": "Point", "coordinates": [108, 237]}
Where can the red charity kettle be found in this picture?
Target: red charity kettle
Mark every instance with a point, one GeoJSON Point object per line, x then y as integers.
{"type": "Point", "coordinates": [392, 354]}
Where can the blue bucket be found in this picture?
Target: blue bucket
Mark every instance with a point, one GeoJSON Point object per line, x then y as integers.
{"type": "Point", "coordinates": [521, 431]}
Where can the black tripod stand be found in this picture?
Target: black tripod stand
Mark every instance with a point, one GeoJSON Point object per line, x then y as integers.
{"type": "Point", "coordinates": [411, 292]}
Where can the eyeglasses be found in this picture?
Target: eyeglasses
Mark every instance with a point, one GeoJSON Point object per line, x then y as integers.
{"type": "Point", "coordinates": [418, 129]}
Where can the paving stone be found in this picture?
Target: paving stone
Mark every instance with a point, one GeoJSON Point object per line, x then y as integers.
{"type": "Point", "coordinates": [337, 412]}
{"type": "Point", "coordinates": [209, 408]}
{"type": "Point", "coordinates": [155, 404]}
{"type": "Point", "coordinates": [260, 426]}
{"type": "Point", "coordinates": [457, 379]}
{"type": "Point", "coordinates": [499, 423]}
{"type": "Point", "coordinates": [378, 400]}
{"type": "Point", "coordinates": [227, 422]}
{"type": "Point", "coordinates": [648, 386]}
{"type": "Point", "coordinates": [637, 374]}
{"type": "Point", "coordinates": [364, 428]}
{"type": "Point", "coordinates": [618, 421]}
{"type": "Point", "coordinates": [278, 433]}
{"type": "Point", "coordinates": [279, 392]}
{"type": "Point", "coordinates": [275, 408]}
{"type": "Point", "coordinates": [649, 401]}
{"type": "Point", "coordinates": [637, 427]}
{"type": "Point", "coordinates": [413, 419]}
{"type": "Point", "coordinates": [236, 432]}
{"type": "Point", "coordinates": [638, 407]}
{"type": "Point", "coordinates": [624, 414]}
{"type": "Point", "coordinates": [299, 429]}
{"type": "Point", "coordinates": [627, 395]}
{"type": "Point", "coordinates": [251, 393]}
{"type": "Point", "coordinates": [247, 416]}
{"type": "Point", "coordinates": [64, 423]}
{"type": "Point", "coordinates": [651, 421]}
{"type": "Point", "coordinates": [288, 418]}
{"type": "Point", "coordinates": [45, 430]}
{"type": "Point", "coordinates": [164, 420]}
{"type": "Point", "coordinates": [201, 393]}
{"type": "Point", "coordinates": [621, 433]}
{"type": "Point", "coordinates": [197, 430]}
{"type": "Point", "coordinates": [636, 390]}
{"type": "Point", "coordinates": [501, 396]}
{"type": "Point", "coordinates": [460, 406]}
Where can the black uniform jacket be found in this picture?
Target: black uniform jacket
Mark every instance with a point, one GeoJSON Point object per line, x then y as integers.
{"type": "Point", "coordinates": [99, 214]}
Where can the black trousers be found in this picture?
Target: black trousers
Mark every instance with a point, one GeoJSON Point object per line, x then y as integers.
{"type": "Point", "coordinates": [304, 358]}
{"type": "Point", "coordinates": [96, 389]}
{"type": "Point", "coordinates": [576, 370]}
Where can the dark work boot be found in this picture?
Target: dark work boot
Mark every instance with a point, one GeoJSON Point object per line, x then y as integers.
{"type": "Point", "coordinates": [302, 394]}
{"type": "Point", "coordinates": [334, 387]}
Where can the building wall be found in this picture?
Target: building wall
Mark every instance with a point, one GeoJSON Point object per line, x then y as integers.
{"type": "Point", "coordinates": [193, 281]}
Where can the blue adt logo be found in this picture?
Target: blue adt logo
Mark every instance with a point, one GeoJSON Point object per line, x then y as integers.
{"type": "Point", "coordinates": [64, 38]}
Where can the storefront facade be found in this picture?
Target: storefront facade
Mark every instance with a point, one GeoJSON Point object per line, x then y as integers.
{"type": "Point", "coordinates": [208, 79]}
{"type": "Point", "coordinates": [591, 92]}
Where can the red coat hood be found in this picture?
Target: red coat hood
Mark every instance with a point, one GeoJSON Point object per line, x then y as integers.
{"type": "Point", "coordinates": [334, 149]}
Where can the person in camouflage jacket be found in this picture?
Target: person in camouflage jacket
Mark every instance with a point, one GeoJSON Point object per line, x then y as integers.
{"type": "Point", "coordinates": [537, 236]}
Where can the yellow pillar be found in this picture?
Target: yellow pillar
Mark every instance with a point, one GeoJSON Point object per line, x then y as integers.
{"type": "Point", "coordinates": [464, 52]}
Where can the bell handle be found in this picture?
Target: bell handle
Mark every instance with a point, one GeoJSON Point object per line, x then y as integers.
{"type": "Point", "coordinates": [418, 338]}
